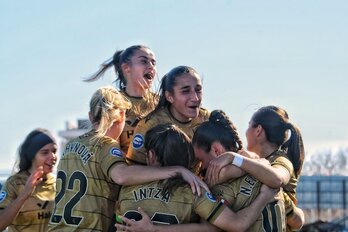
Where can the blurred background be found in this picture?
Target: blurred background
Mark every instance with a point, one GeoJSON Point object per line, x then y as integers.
{"type": "Point", "coordinates": [293, 54]}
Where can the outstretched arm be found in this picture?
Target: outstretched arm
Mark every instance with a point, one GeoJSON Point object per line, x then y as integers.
{"type": "Point", "coordinates": [137, 174]}
{"type": "Point", "coordinates": [8, 214]}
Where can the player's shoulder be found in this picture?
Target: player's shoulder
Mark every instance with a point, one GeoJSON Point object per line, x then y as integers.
{"type": "Point", "coordinates": [280, 156]}
{"type": "Point", "coordinates": [18, 177]}
{"type": "Point", "coordinates": [156, 117]}
{"type": "Point", "coordinates": [111, 147]}
{"type": "Point", "coordinates": [16, 180]}
{"type": "Point", "coordinates": [185, 192]}
{"type": "Point", "coordinates": [204, 113]}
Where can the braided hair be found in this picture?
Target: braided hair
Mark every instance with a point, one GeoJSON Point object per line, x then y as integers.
{"type": "Point", "coordinates": [219, 128]}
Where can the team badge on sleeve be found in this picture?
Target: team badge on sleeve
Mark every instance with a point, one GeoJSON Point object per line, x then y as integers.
{"type": "Point", "coordinates": [138, 141]}
{"type": "Point", "coordinates": [116, 152]}
{"type": "Point", "coordinates": [2, 195]}
{"type": "Point", "coordinates": [210, 197]}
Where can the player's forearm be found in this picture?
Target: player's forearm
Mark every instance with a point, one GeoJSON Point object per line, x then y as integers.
{"type": "Point", "coordinates": [296, 219]}
{"type": "Point", "coordinates": [247, 216]}
{"type": "Point", "coordinates": [138, 174]}
{"type": "Point", "coordinates": [8, 214]}
{"type": "Point", "coordinates": [265, 173]}
{"type": "Point", "coordinates": [230, 172]}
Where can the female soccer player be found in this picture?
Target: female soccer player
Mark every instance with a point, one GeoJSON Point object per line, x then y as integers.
{"type": "Point", "coordinates": [135, 69]}
{"type": "Point", "coordinates": [179, 104]}
{"type": "Point", "coordinates": [26, 199]}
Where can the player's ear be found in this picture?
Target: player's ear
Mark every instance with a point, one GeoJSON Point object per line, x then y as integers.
{"type": "Point", "coordinates": [217, 149]}
{"type": "Point", "coordinates": [169, 96]}
{"type": "Point", "coordinates": [259, 130]}
{"type": "Point", "coordinates": [151, 158]}
{"type": "Point", "coordinates": [125, 68]}
{"type": "Point", "coordinates": [122, 117]}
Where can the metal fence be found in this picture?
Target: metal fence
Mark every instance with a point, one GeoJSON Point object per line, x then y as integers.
{"type": "Point", "coordinates": [323, 198]}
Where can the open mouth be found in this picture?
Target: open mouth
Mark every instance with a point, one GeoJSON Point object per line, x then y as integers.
{"type": "Point", "coordinates": [148, 76]}
{"type": "Point", "coordinates": [50, 165]}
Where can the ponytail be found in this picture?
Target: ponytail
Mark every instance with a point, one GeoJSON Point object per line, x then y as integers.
{"type": "Point", "coordinates": [294, 148]}
{"type": "Point", "coordinates": [120, 57]}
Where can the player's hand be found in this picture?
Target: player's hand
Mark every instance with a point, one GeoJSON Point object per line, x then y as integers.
{"type": "Point", "coordinates": [248, 154]}
{"type": "Point", "coordinates": [34, 179]}
{"type": "Point", "coordinates": [144, 225]}
{"type": "Point", "coordinates": [264, 161]}
{"type": "Point", "coordinates": [215, 166]}
{"type": "Point", "coordinates": [269, 194]}
{"type": "Point", "coordinates": [195, 182]}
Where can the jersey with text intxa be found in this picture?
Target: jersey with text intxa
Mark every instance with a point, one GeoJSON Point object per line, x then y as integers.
{"type": "Point", "coordinates": [36, 210]}
{"type": "Point", "coordinates": [178, 207]}
{"type": "Point", "coordinates": [241, 192]}
{"type": "Point", "coordinates": [86, 194]}
{"type": "Point", "coordinates": [136, 151]}
{"type": "Point", "coordinates": [141, 107]}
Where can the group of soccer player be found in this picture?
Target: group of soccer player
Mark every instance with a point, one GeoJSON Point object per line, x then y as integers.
{"type": "Point", "coordinates": [148, 158]}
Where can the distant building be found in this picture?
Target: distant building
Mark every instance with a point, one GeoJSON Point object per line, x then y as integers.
{"type": "Point", "coordinates": [72, 130]}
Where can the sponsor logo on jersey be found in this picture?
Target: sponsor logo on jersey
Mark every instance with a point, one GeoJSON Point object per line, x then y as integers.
{"type": "Point", "coordinates": [2, 195]}
{"type": "Point", "coordinates": [43, 215]}
{"type": "Point", "coordinates": [116, 152]}
{"type": "Point", "coordinates": [138, 141]}
{"type": "Point", "coordinates": [210, 197]}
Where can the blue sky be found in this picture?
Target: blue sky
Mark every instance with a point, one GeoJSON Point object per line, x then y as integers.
{"type": "Point", "coordinates": [250, 53]}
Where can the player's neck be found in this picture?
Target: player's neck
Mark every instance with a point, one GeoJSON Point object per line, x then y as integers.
{"type": "Point", "coordinates": [134, 91]}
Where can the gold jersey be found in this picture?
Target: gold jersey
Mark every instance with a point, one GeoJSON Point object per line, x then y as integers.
{"type": "Point", "coordinates": [241, 192]}
{"type": "Point", "coordinates": [36, 211]}
{"type": "Point", "coordinates": [178, 207]}
{"type": "Point", "coordinates": [86, 194]}
{"type": "Point", "coordinates": [141, 107]}
{"type": "Point", "coordinates": [280, 158]}
{"type": "Point", "coordinates": [136, 151]}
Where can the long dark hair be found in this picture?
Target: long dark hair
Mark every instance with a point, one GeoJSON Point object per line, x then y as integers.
{"type": "Point", "coordinates": [172, 147]}
{"type": "Point", "coordinates": [32, 143]}
{"type": "Point", "coordinates": [275, 121]}
{"type": "Point", "coordinates": [167, 84]}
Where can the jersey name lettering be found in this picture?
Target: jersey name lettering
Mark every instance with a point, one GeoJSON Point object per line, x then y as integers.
{"type": "Point", "coordinates": [151, 193]}
{"type": "Point", "coordinates": [79, 149]}
{"type": "Point", "coordinates": [248, 187]}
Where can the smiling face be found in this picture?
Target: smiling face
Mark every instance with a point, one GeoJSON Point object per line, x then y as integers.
{"type": "Point", "coordinates": [140, 71]}
{"type": "Point", "coordinates": [45, 157]}
{"type": "Point", "coordinates": [186, 97]}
